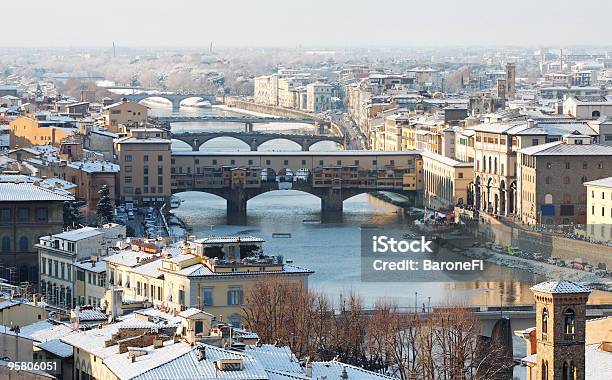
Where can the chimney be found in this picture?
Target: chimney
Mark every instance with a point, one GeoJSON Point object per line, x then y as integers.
{"type": "Point", "coordinates": [344, 375]}
{"type": "Point", "coordinates": [201, 353]}
{"type": "Point", "coordinates": [308, 367]}
{"type": "Point", "coordinates": [530, 123]}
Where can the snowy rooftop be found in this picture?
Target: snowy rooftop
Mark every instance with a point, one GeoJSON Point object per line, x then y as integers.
{"type": "Point", "coordinates": [558, 148]}
{"type": "Point", "coordinates": [79, 234]}
{"type": "Point", "coordinates": [24, 192]}
{"type": "Point", "coordinates": [95, 166]}
{"type": "Point", "coordinates": [560, 287]}
{"type": "Point", "coordinates": [229, 239]}
{"type": "Point", "coordinates": [604, 182]}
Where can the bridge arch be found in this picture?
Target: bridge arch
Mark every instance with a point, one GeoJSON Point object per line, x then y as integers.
{"type": "Point", "coordinates": [198, 99]}
{"type": "Point", "coordinates": [223, 143]}
{"type": "Point", "coordinates": [154, 97]}
{"type": "Point", "coordinates": [325, 145]}
{"type": "Point", "coordinates": [264, 144]}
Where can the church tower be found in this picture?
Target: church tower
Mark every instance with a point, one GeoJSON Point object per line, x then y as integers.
{"type": "Point", "coordinates": [560, 329]}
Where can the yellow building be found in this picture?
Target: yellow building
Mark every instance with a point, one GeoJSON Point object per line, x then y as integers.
{"type": "Point", "coordinates": [123, 115]}
{"type": "Point", "coordinates": [21, 313]}
{"type": "Point", "coordinates": [446, 181]}
{"type": "Point", "coordinates": [213, 274]}
{"type": "Point", "coordinates": [40, 129]}
{"type": "Point", "coordinates": [599, 209]}
{"type": "Point", "coordinates": [144, 157]}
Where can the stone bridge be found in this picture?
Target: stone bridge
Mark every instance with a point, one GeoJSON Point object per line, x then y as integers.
{"type": "Point", "coordinates": [175, 99]}
{"type": "Point", "coordinates": [331, 176]}
{"type": "Point", "coordinates": [254, 139]}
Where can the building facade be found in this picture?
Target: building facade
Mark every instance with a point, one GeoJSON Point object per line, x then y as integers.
{"type": "Point", "coordinates": [553, 176]}
{"type": "Point", "coordinates": [145, 160]}
{"type": "Point", "coordinates": [27, 211]}
{"type": "Point", "coordinates": [599, 209]}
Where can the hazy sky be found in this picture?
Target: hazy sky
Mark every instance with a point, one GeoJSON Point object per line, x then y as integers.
{"type": "Point", "coordinates": [48, 23]}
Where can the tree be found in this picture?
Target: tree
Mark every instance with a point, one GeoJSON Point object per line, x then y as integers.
{"type": "Point", "coordinates": [105, 210]}
{"type": "Point", "coordinates": [72, 215]}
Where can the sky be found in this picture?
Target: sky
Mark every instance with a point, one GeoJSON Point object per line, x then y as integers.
{"type": "Point", "coordinates": [306, 23]}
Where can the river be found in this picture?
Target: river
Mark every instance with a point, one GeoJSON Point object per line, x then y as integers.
{"type": "Point", "coordinates": [331, 248]}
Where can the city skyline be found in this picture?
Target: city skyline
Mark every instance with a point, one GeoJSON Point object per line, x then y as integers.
{"type": "Point", "coordinates": [315, 24]}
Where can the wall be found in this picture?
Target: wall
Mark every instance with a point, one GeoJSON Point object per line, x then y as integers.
{"type": "Point", "coordinates": [566, 249]}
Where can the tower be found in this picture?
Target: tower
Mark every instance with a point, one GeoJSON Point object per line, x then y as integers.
{"type": "Point", "coordinates": [510, 80]}
{"type": "Point", "coordinates": [560, 329]}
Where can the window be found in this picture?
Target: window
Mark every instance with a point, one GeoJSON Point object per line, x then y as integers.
{"type": "Point", "coordinates": [181, 296]}
{"type": "Point", "coordinates": [43, 265]}
{"type": "Point", "coordinates": [160, 158]}
{"type": "Point", "coordinates": [234, 295]}
{"type": "Point", "coordinates": [566, 180]}
{"type": "Point", "coordinates": [5, 215]}
{"type": "Point", "coordinates": [534, 142]}
{"type": "Point", "coordinates": [207, 297]}
{"type": "Point", "coordinates": [42, 214]}
{"type": "Point", "coordinates": [23, 244]}
{"type": "Point", "coordinates": [569, 371]}
{"type": "Point", "coordinates": [24, 214]}
{"type": "Point", "coordinates": [548, 180]}
{"type": "Point", "coordinates": [548, 165]}
{"type": "Point", "coordinates": [569, 324]}
{"type": "Point", "coordinates": [585, 165]}
{"type": "Point", "coordinates": [6, 244]}
{"type": "Point", "coordinates": [146, 157]}
{"type": "Point", "coordinates": [544, 324]}
{"type": "Point", "coordinates": [128, 157]}
{"type": "Point", "coordinates": [544, 370]}
{"type": "Point", "coordinates": [567, 165]}
{"type": "Point", "coordinates": [600, 165]}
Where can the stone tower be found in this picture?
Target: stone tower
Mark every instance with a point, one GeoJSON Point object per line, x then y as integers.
{"type": "Point", "coordinates": [510, 80]}
{"type": "Point", "coordinates": [560, 329]}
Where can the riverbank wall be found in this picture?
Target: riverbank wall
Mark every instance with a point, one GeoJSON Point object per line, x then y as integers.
{"type": "Point", "coordinates": [280, 111]}
{"type": "Point", "coordinates": [547, 244]}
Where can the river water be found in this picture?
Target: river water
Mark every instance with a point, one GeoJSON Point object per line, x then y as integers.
{"type": "Point", "coordinates": [331, 248]}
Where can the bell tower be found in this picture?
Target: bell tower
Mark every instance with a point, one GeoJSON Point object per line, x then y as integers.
{"type": "Point", "coordinates": [560, 329]}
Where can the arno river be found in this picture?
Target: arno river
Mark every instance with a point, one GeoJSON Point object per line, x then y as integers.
{"type": "Point", "coordinates": [331, 248]}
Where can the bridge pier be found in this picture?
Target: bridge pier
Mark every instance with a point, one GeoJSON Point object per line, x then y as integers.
{"type": "Point", "coordinates": [176, 105]}
{"type": "Point", "coordinates": [332, 201]}
{"type": "Point", "coordinates": [305, 146]}
{"type": "Point", "coordinates": [237, 203]}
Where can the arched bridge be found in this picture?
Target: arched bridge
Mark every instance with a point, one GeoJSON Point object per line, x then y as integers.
{"type": "Point", "coordinates": [233, 119]}
{"type": "Point", "coordinates": [175, 99]}
{"type": "Point", "coordinates": [331, 176]}
{"type": "Point", "coordinates": [254, 139]}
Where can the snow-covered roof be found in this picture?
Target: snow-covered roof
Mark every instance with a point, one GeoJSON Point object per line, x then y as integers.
{"type": "Point", "coordinates": [187, 366]}
{"type": "Point", "coordinates": [604, 182]}
{"type": "Point", "coordinates": [24, 192]}
{"type": "Point", "coordinates": [333, 369]}
{"type": "Point", "coordinates": [57, 347]}
{"type": "Point", "coordinates": [559, 148]}
{"type": "Point", "coordinates": [275, 357]}
{"type": "Point", "coordinates": [95, 166]}
{"type": "Point", "coordinates": [229, 239]}
{"type": "Point", "coordinates": [560, 287]}
{"type": "Point", "coordinates": [79, 234]}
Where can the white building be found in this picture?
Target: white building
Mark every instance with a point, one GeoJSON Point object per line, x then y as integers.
{"type": "Point", "coordinates": [587, 107]}
{"type": "Point", "coordinates": [62, 254]}
{"type": "Point", "coordinates": [318, 97]}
